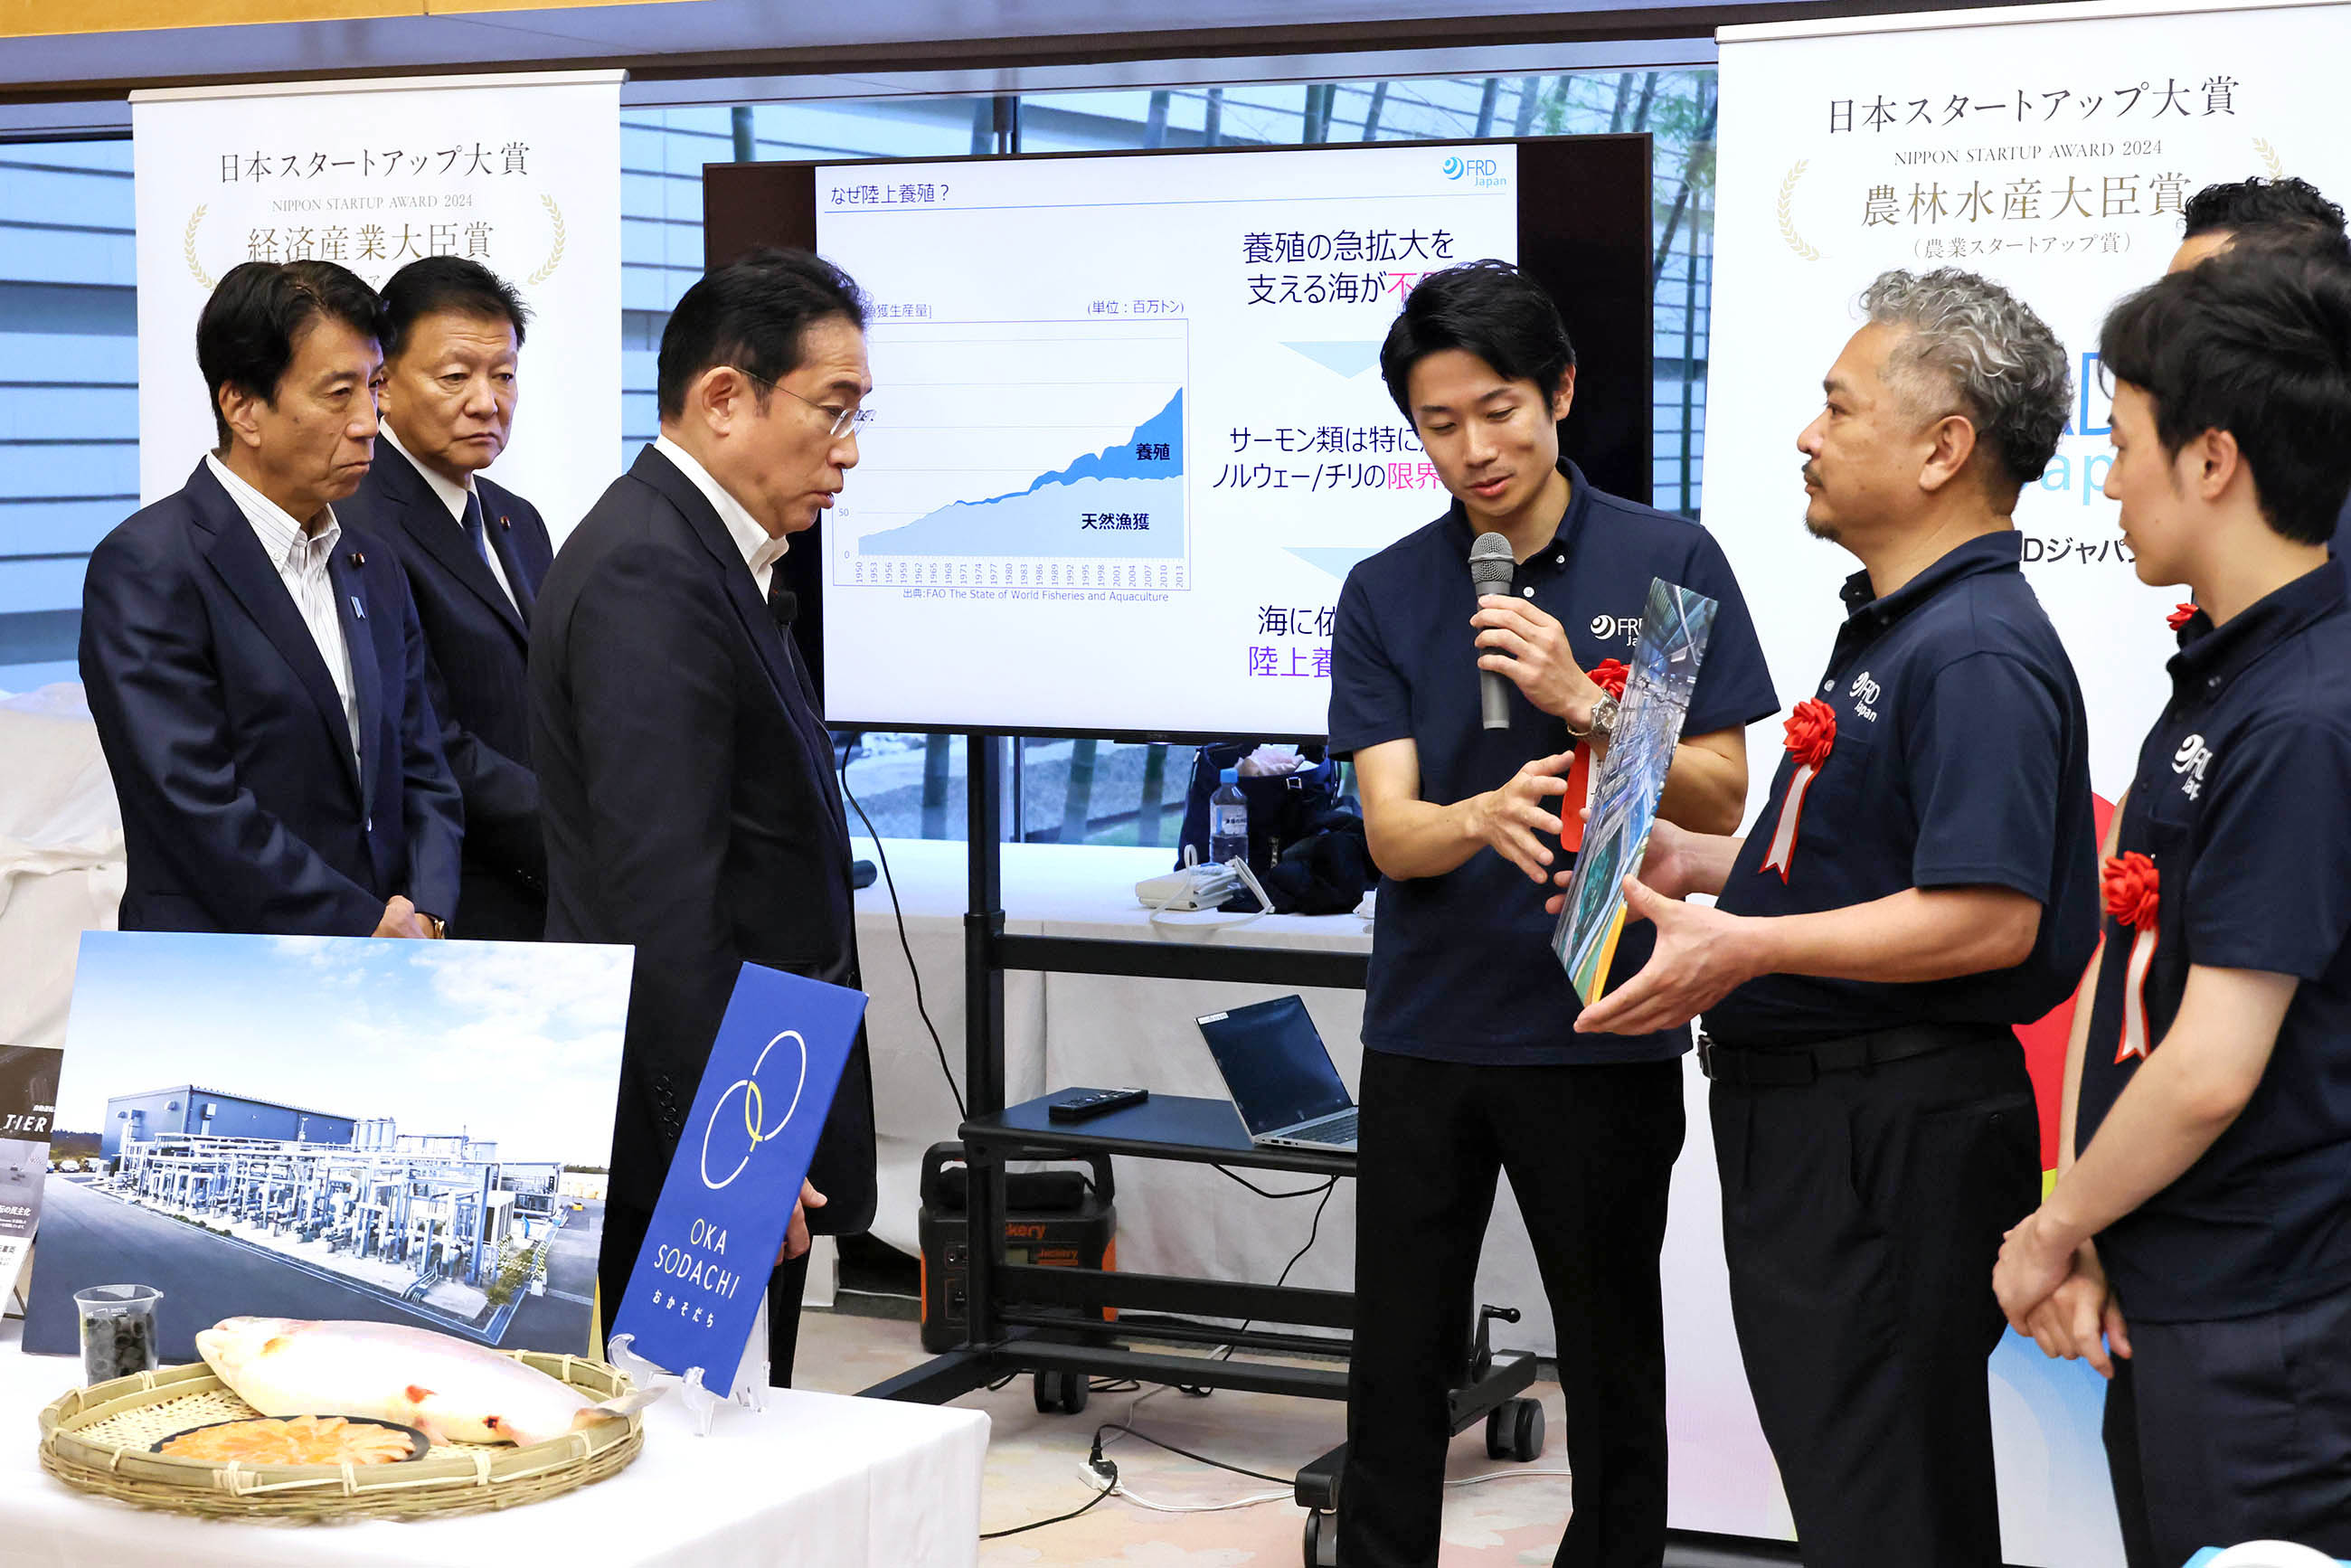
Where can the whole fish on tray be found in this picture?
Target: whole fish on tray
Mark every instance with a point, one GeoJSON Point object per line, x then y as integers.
{"type": "Point", "coordinates": [452, 1391]}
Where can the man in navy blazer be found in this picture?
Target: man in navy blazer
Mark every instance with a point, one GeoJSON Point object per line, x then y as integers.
{"type": "Point", "coordinates": [691, 806]}
{"type": "Point", "coordinates": [256, 671]}
{"type": "Point", "coordinates": [475, 554]}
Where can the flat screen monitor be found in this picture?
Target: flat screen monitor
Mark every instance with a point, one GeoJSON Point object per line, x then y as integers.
{"type": "Point", "coordinates": [1128, 432]}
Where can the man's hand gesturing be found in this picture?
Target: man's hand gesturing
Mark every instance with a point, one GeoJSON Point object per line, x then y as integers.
{"type": "Point", "coordinates": [1507, 818]}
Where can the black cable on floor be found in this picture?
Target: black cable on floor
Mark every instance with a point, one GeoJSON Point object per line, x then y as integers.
{"type": "Point", "coordinates": [1314, 1230]}
{"type": "Point", "coordinates": [1040, 1524]}
{"type": "Point", "coordinates": [1197, 1459]}
{"type": "Point", "coordinates": [904, 945]}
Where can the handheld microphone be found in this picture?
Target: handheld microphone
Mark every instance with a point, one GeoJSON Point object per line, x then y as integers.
{"type": "Point", "coordinates": [1491, 566]}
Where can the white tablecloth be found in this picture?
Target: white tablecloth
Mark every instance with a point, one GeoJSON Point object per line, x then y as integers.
{"type": "Point", "coordinates": [1111, 1031]}
{"type": "Point", "coordinates": [817, 1480]}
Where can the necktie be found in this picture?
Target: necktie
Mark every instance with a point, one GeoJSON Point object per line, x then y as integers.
{"type": "Point", "coordinates": [474, 529]}
{"type": "Point", "coordinates": [518, 584]}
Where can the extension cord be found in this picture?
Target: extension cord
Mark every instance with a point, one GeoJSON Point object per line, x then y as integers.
{"type": "Point", "coordinates": [1101, 1475]}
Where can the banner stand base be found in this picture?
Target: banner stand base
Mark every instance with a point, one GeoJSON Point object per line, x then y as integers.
{"type": "Point", "coordinates": [750, 1383]}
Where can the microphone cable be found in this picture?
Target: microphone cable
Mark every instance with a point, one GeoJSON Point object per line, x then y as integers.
{"type": "Point", "coordinates": [899, 912]}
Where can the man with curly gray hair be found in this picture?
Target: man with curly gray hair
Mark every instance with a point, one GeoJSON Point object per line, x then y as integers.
{"type": "Point", "coordinates": [1923, 879]}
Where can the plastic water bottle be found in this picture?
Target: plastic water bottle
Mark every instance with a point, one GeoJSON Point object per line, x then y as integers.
{"type": "Point", "coordinates": [1228, 820]}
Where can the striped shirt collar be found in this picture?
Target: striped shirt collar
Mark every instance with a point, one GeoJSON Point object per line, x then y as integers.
{"type": "Point", "coordinates": [283, 539]}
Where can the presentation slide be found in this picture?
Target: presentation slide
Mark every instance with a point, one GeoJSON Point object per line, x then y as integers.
{"type": "Point", "coordinates": [1128, 426]}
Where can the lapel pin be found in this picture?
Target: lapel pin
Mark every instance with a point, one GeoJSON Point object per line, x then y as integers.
{"type": "Point", "coordinates": [503, 522]}
{"type": "Point", "coordinates": [359, 611]}
{"type": "Point", "coordinates": [359, 558]}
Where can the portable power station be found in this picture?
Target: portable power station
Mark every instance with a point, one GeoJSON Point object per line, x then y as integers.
{"type": "Point", "coordinates": [1058, 1219]}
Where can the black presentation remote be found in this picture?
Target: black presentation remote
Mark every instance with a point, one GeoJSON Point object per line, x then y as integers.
{"type": "Point", "coordinates": [1077, 1107]}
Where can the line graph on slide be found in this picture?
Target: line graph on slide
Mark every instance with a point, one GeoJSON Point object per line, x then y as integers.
{"type": "Point", "coordinates": [1020, 453]}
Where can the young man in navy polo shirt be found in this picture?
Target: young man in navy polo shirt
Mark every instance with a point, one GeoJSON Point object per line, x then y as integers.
{"type": "Point", "coordinates": [1471, 1066]}
{"type": "Point", "coordinates": [2209, 1084]}
{"type": "Point", "coordinates": [1923, 878]}
{"type": "Point", "coordinates": [2287, 215]}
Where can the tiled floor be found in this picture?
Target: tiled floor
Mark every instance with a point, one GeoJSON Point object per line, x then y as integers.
{"type": "Point", "coordinates": [1032, 1468]}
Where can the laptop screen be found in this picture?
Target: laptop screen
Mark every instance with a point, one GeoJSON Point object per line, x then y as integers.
{"type": "Point", "coordinates": [1275, 1064]}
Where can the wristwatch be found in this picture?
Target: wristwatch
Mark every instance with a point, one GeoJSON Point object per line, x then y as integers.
{"type": "Point", "coordinates": [434, 924]}
{"type": "Point", "coordinates": [1603, 718]}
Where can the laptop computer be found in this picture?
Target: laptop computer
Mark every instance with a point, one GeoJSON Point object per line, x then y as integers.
{"type": "Point", "coordinates": [1281, 1077]}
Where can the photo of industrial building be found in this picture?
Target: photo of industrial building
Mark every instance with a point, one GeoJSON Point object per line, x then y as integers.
{"type": "Point", "coordinates": [437, 1221]}
{"type": "Point", "coordinates": [355, 1139]}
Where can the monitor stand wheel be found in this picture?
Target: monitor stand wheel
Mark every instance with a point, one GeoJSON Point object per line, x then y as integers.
{"type": "Point", "coordinates": [1322, 1539]}
{"type": "Point", "coordinates": [1059, 1393]}
{"type": "Point", "coordinates": [1514, 1431]}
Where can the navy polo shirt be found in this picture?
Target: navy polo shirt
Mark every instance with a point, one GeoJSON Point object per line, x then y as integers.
{"type": "Point", "coordinates": [1462, 968]}
{"type": "Point", "coordinates": [2239, 801]}
{"type": "Point", "coordinates": [1960, 760]}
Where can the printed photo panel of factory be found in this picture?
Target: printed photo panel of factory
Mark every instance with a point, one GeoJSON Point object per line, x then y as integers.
{"type": "Point", "coordinates": [328, 1128]}
{"type": "Point", "coordinates": [434, 1224]}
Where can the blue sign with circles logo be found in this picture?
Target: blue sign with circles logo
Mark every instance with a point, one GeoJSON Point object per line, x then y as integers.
{"type": "Point", "coordinates": [761, 1104]}
{"type": "Point", "coordinates": [756, 1129]}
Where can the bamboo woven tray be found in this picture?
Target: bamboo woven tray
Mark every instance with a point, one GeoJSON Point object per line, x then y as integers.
{"type": "Point", "coordinates": [96, 1439]}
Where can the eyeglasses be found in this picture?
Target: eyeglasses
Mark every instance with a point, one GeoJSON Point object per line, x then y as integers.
{"type": "Point", "coordinates": [843, 418]}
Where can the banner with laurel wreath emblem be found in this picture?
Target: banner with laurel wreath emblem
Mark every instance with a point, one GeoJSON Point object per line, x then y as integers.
{"type": "Point", "coordinates": [2051, 148]}
{"type": "Point", "coordinates": [520, 173]}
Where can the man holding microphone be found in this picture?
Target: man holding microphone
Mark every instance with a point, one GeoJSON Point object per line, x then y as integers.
{"type": "Point", "coordinates": [1470, 1066]}
{"type": "Point", "coordinates": [1922, 879]}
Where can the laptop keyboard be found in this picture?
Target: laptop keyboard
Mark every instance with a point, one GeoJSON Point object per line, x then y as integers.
{"type": "Point", "coordinates": [1338, 1130]}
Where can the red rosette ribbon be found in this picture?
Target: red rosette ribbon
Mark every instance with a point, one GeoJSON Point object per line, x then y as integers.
{"type": "Point", "coordinates": [1812, 735]}
{"type": "Point", "coordinates": [2181, 614]}
{"type": "Point", "coordinates": [2132, 889]}
{"type": "Point", "coordinates": [1582, 776]}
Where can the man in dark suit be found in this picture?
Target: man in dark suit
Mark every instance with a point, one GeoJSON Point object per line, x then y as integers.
{"type": "Point", "coordinates": [685, 774]}
{"type": "Point", "coordinates": [475, 554]}
{"type": "Point", "coordinates": [255, 670]}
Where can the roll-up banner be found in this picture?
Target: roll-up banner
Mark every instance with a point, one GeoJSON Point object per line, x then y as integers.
{"type": "Point", "coordinates": [2052, 149]}
{"type": "Point", "coordinates": [521, 173]}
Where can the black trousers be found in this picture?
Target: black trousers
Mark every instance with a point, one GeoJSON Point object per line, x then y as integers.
{"type": "Point", "coordinates": [1590, 1152]}
{"type": "Point", "coordinates": [1862, 1214]}
{"type": "Point", "coordinates": [2223, 1432]}
{"type": "Point", "coordinates": [624, 1236]}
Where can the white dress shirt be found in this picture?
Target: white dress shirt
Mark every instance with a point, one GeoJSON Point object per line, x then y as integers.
{"type": "Point", "coordinates": [300, 559]}
{"type": "Point", "coordinates": [760, 548]}
{"type": "Point", "coordinates": [453, 498]}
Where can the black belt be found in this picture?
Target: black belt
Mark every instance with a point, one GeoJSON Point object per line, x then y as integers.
{"type": "Point", "coordinates": [1787, 1065]}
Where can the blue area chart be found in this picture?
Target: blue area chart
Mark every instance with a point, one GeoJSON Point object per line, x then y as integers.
{"type": "Point", "coordinates": [1125, 502]}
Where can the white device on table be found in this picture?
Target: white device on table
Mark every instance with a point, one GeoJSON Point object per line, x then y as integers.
{"type": "Point", "coordinates": [1199, 886]}
{"type": "Point", "coordinates": [1280, 1076]}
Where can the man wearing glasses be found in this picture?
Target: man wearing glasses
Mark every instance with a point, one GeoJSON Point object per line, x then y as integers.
{"type": "Point", "coordinates": [685, 775]}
